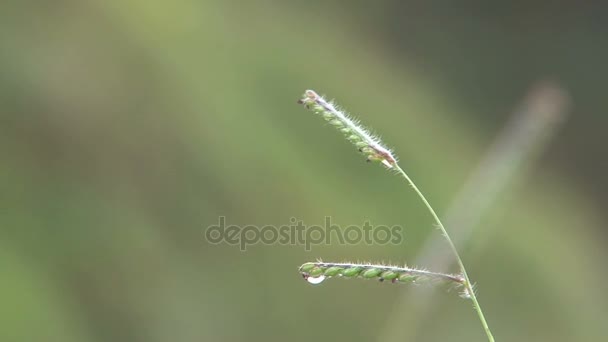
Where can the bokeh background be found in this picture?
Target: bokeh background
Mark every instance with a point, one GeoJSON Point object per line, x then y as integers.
{"type": "Point", "coordinates": [128, 127]}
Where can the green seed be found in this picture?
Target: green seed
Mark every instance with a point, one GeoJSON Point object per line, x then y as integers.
{"type": "Point", "coordinates": [351, 272]}
{"type": "Point", "coordinates": [371, 273]}
{"type": "Point", "coordinates": [407, 278]}
{"type": "Point", "coordinates": [307, 267]}
{"type": "Point", "coordinates": [333, 271]}
{"type": "Point", "coordinates": [388, 275]}
{"type": "Point", "coordinates": [315, 272]}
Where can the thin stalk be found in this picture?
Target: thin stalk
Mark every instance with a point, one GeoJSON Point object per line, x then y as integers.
{"type": "Point", "coordinates": [469, 287]}
{"type": "Point", "coordinates": [530, 128]}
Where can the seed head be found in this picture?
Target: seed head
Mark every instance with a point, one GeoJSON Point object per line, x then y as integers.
{"type": "Point", "coordinates": [318, 271]}
{"type": "Point", "coordinates": [365, 142]}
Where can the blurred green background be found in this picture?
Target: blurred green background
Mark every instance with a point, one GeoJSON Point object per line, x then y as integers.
{"type": "Point", "coordinates": [128, 127]}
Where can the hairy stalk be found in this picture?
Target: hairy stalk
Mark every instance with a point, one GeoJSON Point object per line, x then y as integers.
{"type": "Point", "coordinates": [375, 151]}
{"type": "Point", "coordinates": [470, 291]}
{"type": "Point", "coordinates": [355, 133]}
{"type": "Point", "coordinates": [316, 272]}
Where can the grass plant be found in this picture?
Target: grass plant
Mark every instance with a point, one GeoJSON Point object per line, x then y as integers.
{"type": "Point", "coordinates": [375, 151]}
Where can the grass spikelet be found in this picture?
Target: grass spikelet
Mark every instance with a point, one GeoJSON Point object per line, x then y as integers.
{"type": "Point", "coordinates": [394, 274]}
{"type": "Point", "coordinates": [354, 132]}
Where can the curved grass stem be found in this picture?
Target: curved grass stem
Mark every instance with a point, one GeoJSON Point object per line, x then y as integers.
{"type": "Point", "coordinates": [468, 286]}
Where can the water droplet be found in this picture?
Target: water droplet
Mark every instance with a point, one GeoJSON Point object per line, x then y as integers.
{"type": "Point", "coordinates": [316, 280]}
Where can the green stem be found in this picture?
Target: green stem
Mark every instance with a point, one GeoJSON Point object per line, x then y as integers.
{"type": "Point", "coordinates": [467, 284]}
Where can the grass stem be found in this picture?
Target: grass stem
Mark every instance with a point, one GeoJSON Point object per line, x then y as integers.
{"type": "Point", "coordinates": [468, 286]}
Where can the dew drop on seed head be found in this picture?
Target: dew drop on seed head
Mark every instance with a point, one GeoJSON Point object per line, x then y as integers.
{"type": "Point", "coordinates": [316, 280]}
